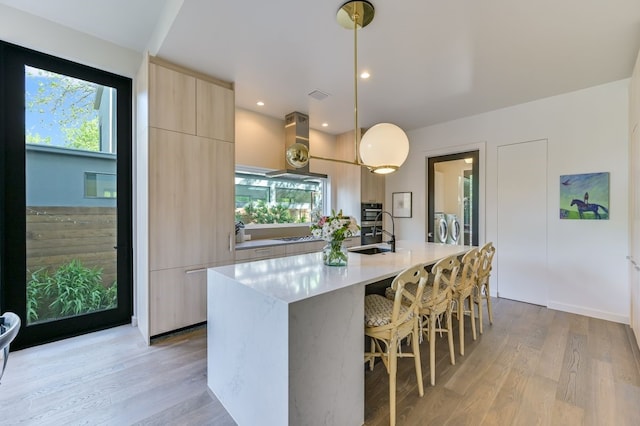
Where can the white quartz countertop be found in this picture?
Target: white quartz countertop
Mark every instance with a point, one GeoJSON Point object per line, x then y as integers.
{"type": "Point", "coordinates": [294, 278]}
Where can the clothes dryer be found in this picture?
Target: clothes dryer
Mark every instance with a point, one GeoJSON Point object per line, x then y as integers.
{"type": "Point", "coordinates": [440, 228]}
{"type": "Point", "coordinates": [453, 227]}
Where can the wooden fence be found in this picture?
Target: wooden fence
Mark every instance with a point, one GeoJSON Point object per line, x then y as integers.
{"type": "Point", "coordinates": [57, 235]}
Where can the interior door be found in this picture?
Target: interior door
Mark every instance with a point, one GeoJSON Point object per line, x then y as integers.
{"type": "Point", "coordinates": [67, 174]}
{"type": "Point", "coordinates": [453, 184]}
{"type": "Point", "coordinates": [522, 222]}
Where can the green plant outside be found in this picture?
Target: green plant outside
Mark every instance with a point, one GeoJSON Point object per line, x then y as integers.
{"type": "Point", "coordinates": [72, 289]}
{"type": "Point", "coordinates": [260, 212]}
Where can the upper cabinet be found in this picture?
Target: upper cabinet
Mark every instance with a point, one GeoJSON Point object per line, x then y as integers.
{"type": "Point", "coordinates": [372, 186]}
{"type": "Point", "coordinates": [172, 100]}
{"type": "Point", "coordinates": [190, 103]}
{"type": "Point", "coordinates": [215, 111]}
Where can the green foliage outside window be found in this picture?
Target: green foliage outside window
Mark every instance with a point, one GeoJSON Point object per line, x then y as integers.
{"type": "Point", "coordinates": [72, 289]}
{"type": "Point", "coordinates": [268, 200]}
{"type": "Point", "coordinates": [260, 212]}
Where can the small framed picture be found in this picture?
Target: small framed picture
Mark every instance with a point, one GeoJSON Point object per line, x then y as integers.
{"type": "Point", "coordinates": [401, 204]}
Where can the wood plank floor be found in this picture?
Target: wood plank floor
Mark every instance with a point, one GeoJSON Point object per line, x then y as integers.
{"type": "Point", "coordinates": [534, 366]}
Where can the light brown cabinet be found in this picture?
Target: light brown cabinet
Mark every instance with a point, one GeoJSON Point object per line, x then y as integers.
{"type": "Point", "coordinates": [178, 298]}
{"type": "Point", "coordinates": [215, 111]}
{"type": "Point", "coordinates": [189, 209]}
{"type": "Point", "coordinates": [190, 191]}
{"type": "Point", "coordinates": [172, 100]}
{"type": "Point", "coordinates": [371, 186]}
{"type": "Point", "coordinates": [258, 253]}
{"type": "Point", "coordinates": [306, 247]}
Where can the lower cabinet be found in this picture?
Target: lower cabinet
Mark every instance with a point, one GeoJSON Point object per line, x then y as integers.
{"type": "Point", "coordinates": [352, 241]}
{"type": "Point", "coordinates": [178, 298]}
{"type": "Point", "coordinates": [260, 253]}
{"type": "Point", "coordinates": [306, 247]}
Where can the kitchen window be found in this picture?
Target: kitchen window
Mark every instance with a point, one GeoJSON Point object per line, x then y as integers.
{"type": "Point", "coordinates": [270, 200]}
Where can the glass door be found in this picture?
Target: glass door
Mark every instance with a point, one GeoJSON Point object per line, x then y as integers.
{"type": "Point", "coordinates": [70, 206]}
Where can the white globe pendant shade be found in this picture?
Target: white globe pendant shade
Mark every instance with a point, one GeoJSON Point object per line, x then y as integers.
{"type": "Point", "coordinates": [384, 147]}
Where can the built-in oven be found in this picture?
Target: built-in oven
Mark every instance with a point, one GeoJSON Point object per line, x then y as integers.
{"type": "Point", "coordinates": [370, 220]}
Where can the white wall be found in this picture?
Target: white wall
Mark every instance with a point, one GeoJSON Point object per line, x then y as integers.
{"type": "Point", "coordinates": [587, 132]}
{"type": "Point", "coordinates": [39, 34]}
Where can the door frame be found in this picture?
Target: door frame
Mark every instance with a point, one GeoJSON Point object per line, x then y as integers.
{"type": "Point", "coordinates": [480, 147]}
{"type": "Point", "coordinates": [13, 197]}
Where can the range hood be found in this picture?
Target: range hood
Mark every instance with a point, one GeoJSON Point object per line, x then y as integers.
{"type": "Point", "coordinates": [296, 149]}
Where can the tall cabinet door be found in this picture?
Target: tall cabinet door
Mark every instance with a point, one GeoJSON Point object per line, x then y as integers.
{"type": "Point", "coordinates": [191, 211]}
{"type": "Point", "coordinates": [174, 183]}
{"type": "Point", "coordinates": [221, 183]}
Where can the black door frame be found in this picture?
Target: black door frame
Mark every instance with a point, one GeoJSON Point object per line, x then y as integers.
{"type": "Point", "coordinates": [475, 171]}
{"type": "Point", "coordinates": [13, 198]}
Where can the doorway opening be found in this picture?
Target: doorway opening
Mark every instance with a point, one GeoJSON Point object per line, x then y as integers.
{"type": "Point", "coordinates": [66, 196]}
{"type": "Point", "coordinates": [453, 198]}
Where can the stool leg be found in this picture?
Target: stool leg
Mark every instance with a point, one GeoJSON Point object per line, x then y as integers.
{"type": "Point", "coordinates": [461, 324]}
{"type": "Point", "coordinates": [489, 309]}
{"type": "Point", "coordinates": [432, 348]}
{"type": "Point", "coordinates": [372, 360]}
{"type": "Point", "coordinates": [473, 316]}
{"type": "Point", "coordinates": [393, 365]}
{"type": "Point", "coordinates": [416, 356]}
{"type": "Point", "coordinates": [479, 303]}
{"type": "Point", "coordinates": [452, 353]}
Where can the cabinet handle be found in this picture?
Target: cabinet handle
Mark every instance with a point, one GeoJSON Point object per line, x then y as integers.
{"type": "Point", "coordinates": [263, 249]}
{"type": "Point", "coordinates": [193, 271]}
{"type": "Point", "coordinates": [230, 242]}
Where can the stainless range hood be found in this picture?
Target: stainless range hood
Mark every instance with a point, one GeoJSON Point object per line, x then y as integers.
{"type": "Point", "coordinates": [296, 149]}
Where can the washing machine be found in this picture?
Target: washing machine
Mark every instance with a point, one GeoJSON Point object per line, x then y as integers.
{"type": "Point", "coordinates": [440, 228]}
{"type": "Point", "coordinates": [454, 229]}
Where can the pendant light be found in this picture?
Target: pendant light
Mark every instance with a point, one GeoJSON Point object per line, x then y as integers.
{"type": "Point", "coordinates": [385, 146]}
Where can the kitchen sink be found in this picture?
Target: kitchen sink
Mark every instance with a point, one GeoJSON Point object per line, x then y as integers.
{"type": "Point", "coordinates": [370, 250]}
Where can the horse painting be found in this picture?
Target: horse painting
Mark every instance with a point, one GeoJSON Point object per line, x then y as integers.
{"type": "Point", "coordinates": [588, 207]}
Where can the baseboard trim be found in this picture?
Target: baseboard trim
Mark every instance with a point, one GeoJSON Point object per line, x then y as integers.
{"type": "Point", "coordinates": [635, 346]}
{"type": "Point", "coordinates": [593, 313]}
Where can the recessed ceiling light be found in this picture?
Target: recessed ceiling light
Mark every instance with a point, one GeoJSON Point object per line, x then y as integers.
{"type": "Point", "coordinates": [365, 75]}
{"type": "Point", "coordinates": [325, 124]}
{"type": "Point", "coordinates": [260, 103]}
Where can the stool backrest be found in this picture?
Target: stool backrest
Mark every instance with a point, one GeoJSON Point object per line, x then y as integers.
{"type": "Point", "coordinates": [445, 273]}
{"type": "Point", "coordinates": [487, 252]}
{"type": "Point", "coordinates": [469, 274]}
{"type": "Point", "coordinates": [414, 274]}
{"type": "Point", "coordinates": [9, 327]}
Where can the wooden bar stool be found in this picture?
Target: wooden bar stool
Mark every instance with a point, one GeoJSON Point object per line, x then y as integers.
{"type": "Point", "coordinates": [388, 322]}
{"type": "Point", "coordinates": [464, 291]}
{"type": "Point", "coordinates": [482, 291]}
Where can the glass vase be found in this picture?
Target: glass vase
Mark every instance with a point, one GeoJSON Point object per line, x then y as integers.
{"type": "Point", "coordinates": [335, 254]}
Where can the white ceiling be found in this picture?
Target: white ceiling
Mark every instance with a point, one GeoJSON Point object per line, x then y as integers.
{"type": "Point", "coordinates": [430, 60]}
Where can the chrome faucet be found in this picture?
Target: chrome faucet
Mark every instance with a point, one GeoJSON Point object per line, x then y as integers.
{"type": "Point", "coordinates": [392, 241]}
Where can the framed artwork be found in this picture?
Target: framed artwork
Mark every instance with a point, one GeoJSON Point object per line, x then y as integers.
{"type": "Point", "coordinates": [401, 204]}
{"type": "Point", "coordinates": [584, 196]}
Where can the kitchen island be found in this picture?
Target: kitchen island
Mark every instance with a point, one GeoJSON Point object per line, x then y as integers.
{"type": "Point", "coordinates": [285, 339]}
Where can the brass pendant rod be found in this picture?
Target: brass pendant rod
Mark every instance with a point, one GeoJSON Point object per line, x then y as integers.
{"type": "Point", "coordinates": [335, 160]}
{"type": "Point", "coordinates": [355, 83]}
